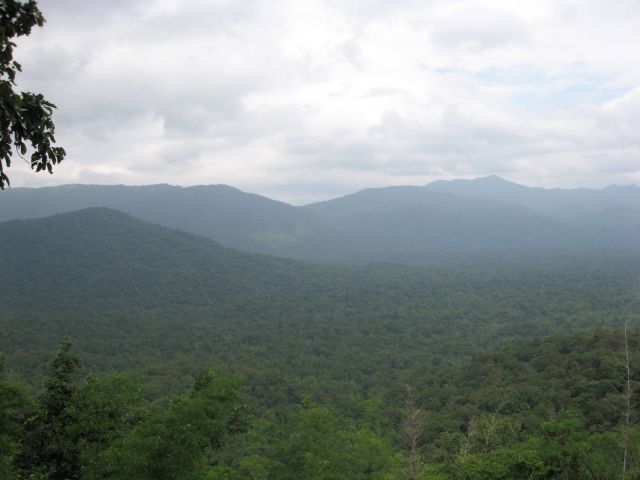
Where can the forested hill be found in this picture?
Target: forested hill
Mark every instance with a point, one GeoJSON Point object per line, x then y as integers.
{"type": "Point", "coordinates": [487, 216]}
{"type": "Point", "coordinates": [101, 257]}
{"type": "Point", "coordinates": [133, 294]}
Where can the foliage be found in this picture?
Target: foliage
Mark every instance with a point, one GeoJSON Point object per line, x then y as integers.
{"type": "Point", "coordinates": [13, 403]}
{"type": "Point", "coordinates": [172, 443]}
{"type": "Point", "coordinates": [103, 410]}
{"type": "Point", "coordinates": [25, 117]}
{"type": "Point", "coordinates": [316, 443]}
{"type": "Point", "coordinates": [577, 435]}
{"type": "Point", "coordinates": [47, 449]}
{"type": "Point", "coordinates": [101, 427]}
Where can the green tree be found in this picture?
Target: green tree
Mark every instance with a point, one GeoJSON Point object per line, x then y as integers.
{"type": "Point", "coordinates": [172, 444]}
{"type": "Point", "coordinates": [47, 449]}
{"type": "Point", "coordinates": [521, 460]}
{"type": "Point", "coordinates": [102, 410]}
{"type": "Point", "coordinates": [324, 445]}
{"type": "Point", "coordinates": [25, 117]}
{"type": "Point", "coordinates": [12, 401]}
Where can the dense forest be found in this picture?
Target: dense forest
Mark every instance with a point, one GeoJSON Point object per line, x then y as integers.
{"type": "Point", "coordinates": [194, 360]}
{"type": "Point", "coordinates": [553, 408]}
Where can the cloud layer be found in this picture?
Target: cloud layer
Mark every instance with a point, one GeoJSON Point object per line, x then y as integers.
{"type": "Point", "coordinates": [305, 100]}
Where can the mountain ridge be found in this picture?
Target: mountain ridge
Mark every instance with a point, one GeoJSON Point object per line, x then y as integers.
{"type": "Point", "coordinates": [488, 215]}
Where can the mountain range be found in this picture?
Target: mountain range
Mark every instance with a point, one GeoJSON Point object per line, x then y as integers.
{"type": "Point", "coordinates": [445, 219]}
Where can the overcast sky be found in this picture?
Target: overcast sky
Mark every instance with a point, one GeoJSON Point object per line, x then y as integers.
{"type": "Point", "coordinates": [303, 100]}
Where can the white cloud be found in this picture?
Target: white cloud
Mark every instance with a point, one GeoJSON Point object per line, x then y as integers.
{"type": "Point", "coordinates": [307, 99]}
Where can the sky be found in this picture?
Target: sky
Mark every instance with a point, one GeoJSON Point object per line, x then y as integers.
{"type": "Point", "coordinates": [304, 100]}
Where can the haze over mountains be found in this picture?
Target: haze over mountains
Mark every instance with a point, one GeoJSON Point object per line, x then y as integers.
{"type": "Point", "coordinates": [446, 218]}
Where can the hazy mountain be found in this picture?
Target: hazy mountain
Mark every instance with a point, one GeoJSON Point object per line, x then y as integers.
{"type": "Point", "coordinates": [414, 222]}
{"type": "Point", "coordinates": [580, 206]}
{"type": "Point", "coordinates": [461, 217]}
{"type": "Point", "coordinates": [225, 214]}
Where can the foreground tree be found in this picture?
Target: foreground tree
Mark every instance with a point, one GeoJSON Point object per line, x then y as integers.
{"type": "Point", "coordinates": [413, 429]}
{"type": "Point", "coordinates": [101, 428]}
{"type": "Point", "coordinates": [103, 410]}
{"type": "Point", "coordinates": [12, 406]}
{"type": "Point", "coordinates": [627, 395]}
{"type": "Point", "coordinates": [173, 444]}
{"type": "Point", "coordinates": [25, 117]}
{"type": "Point", "coordinates": [322, 444]}
{"type": "Point", "coordinates": [47, 450]}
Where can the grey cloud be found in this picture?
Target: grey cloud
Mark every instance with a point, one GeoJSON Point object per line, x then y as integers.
{"type": "Point", "coordinates": [330, 153]}
{"type": "Point", "coordinates": [374, 10]}
{"type": "Point", "coordinates": [619, 161]}
{"type": "Point", "coordinates": [90, 176]}
{"type": "Point", "coordinates": [479, 29]}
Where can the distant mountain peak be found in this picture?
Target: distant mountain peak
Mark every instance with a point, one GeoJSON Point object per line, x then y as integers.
{"type": "Point", "coordinates": [489, 181]}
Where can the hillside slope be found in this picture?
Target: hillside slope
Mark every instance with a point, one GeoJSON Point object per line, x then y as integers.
{"type": "Point", "coordinates": [97, 256]}
{"type": "Point", "coordinates": [133, 295]}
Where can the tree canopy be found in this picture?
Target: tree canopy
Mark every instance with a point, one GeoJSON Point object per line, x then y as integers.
{"type": "Point", "coordinates": [25, 117]}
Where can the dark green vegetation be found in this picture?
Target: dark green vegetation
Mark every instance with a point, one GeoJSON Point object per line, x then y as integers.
{"type": "Point", "coordinates": [101, 427]}
{"type": "Point", "coordinates": [326, 353]}
{"type": "Point", "coordinates": [25, 117]}
{"type": "Point", "coordinates": [487, 216]}
{"type": "Point", "coordinates": [549, 409]}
